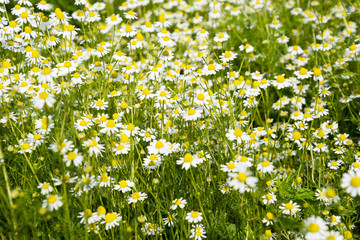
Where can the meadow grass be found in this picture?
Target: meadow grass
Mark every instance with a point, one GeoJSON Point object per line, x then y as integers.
{"type": "Point", "coordinates": [199, 119]}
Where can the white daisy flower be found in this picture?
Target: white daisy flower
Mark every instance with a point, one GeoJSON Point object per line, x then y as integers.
{"type": "Point", "coordinates": [351, 182]}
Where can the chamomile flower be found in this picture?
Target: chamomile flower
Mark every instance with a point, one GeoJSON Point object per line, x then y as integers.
{"type": "Point", "coordinates": [44, 99]}
{"type": "Point", "coordinates": [265, 167]}
{"type": "Point", "coordinates": [351, 182]}
{"type": "Point", "coordinates": [187, 161]}
{"type": "Point", "coordinates": [178, 203]}
{"type": "Point", "coordinates": [130, 15]}
{"type": "Point", "coordinates": [83, 124]}
{"type": "Point", "coordinates": [242, 180]}
{"type": "Point", "coordinates": [100, 104]}
{"type": "Point", "coordinates": [268, 219]}
{"type": "Point", "coordinates": [247, 48]}
{"type": "Point", "coordinates": [269, 198]}
{"type": "Point", "coordinates": [159, 147]}
{"type": "Point", "coordinates": [52, 202]}
{"type": "Point", "coordinates": [315, 228]}
{"type": "Point", "coordinates": [192, 114]}
{"type": "Point", "coordinates": [170, 220]}
{"type": "Point", "coordinates": [114, 19]}
{"type": "Point", "coordinates": [303, 73]}
{"type": "Point", "coordinates": [238, 135]}
{"type": "Point", "coordinates": [136, 196]}
{"type": "Point", "coordinates": [327, 195]}
{"type": "Point", "coordinates": [111, 220]}
{"type": "Point", "coordinates": [194, 217]}
{"type": "Point", "coordinates": [290, 208]}
{"type": "Point", "coordinates": [228, 56]}
{"type": "Point", "coordinates": [94, 147]}
{"type": "Point", "coordinates": [46, 188]}
{"type": "Point", "coordinates": [197, 232]}
{"type": "Point", "coordinates": [73, 157]}
{"type": "Point", "coordinates": [124, 186]}
{"type": "Point", "coordinates": [221, 37]}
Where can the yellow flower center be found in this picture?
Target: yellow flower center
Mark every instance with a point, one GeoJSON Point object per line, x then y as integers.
{"type": "Point", "coordinates": [191, 112]}
{"type": "Point", "coordinates": [211, 67]}
{"type": "Point", "coordinates": [110, 217]}
{"type": "Point", "coordinates": [99, 103]}
{"type": "Point", "coordinates": [51, 199]}
{"type": "Point", "coordinates": [71, 156]}
{"type": "Point", "coordinates": [104, 178]}
{"type": "Point", "coordinates": [194, 214]}
{"type": "Point", "coordinates": [289, 206]}
{"type": "Point", "coordinates": [228, 54]}
{"type": "Point", "coordinates": [241, 177]}
{"type": "Point", "coordinates": [297, 135]}
{"type": "Point", "coordinates": [265, 163]}
{"type": "Point", "coordinates": [303, 71]}
{"type": "Point", "coordinates": [128, 28]}
{"type": "Point", "coordinates": [313, 227]}
{"type": "Point", "coordinates": [355, 182]}
{"type": "Point", "coordinates": [188, 158]}
{"type": "Point", "coordinates": [231, 165]}
{"type": "Point", "coordinates": [136, 195]}
{"type": "Point", "coordinates": [238, 132]}
{"type": "Point", "coordinates": [159, 144]}
{"type": "Point", "coordinates": [200, 96]}
{"type": "Point", "coordinates": [110, 123]}
{"type": "Point", "coordinates": [43, 95]}
{"type": "Point", "coordinates": [269, 216]}
{"type": "Point", "coordinates": [280, 79]}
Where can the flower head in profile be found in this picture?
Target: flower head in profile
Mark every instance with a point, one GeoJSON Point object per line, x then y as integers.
{"type": "Point", "coordinates": [111, 220]}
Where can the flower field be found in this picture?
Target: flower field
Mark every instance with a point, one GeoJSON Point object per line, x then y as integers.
{"type": "Point", "coordinates": [199, 119]}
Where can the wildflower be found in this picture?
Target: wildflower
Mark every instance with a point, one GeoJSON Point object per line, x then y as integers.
{"type": "Point", "coordinates": [303, 73]}
{"type": "Point", "coordinates": [100, 104]}
{"type": "Point", "coordinates": [268, 219]}
{"type": "Point", "coordinates": [290, 208]}
{"type": "Point", "coordinates": [192, 114]}
{"type": "Point", "coordinates": [44, 98]}
{"type": "Point", "coordinates": [111, 220]}
{"type": "Point", "coordinates": [194, 217]}
{"type": "Point", "coordinates": [187, 161]}
{"type": "Point", "coordinates": [73, 156]}
{"type": "Point", "coordinates": [114, 19]}
{"type": "Point", "coordinates": [137, 196]}
{"type": "Point", "coordinates": [94, 146]}
{"type": "Point", "coordinates": [242, 180]}
{"type": "Point", "coordinates": [247, 47]}
{"type": "Point", "coordinates": [170, 220]}
{"type": "Point", "coordinates": [130, 15]}
{"type": "Point", "coordinates": [83, 124]}
{"type": "Point", "coordinates": [228, 56]}
{"type": "Point", "coordinates": [238, 135]}
{"type": "Point", "coordinates": [178, 203]}
{"type": "Point", "coordinates": [52, 202]}
{"type": "Point", "coordinates": [327, 195]}
{"type": "Point", "coordinates": [351, 182]}
{"type": "Point", "coordinates": [221, 37]}
{"type": "Point", "coordinates": [104, 180]}
{"type": "Point", "coordinates": [46, 188]}
{"type": "Point", "coordinates": [159, 147]}
{"type": "Point", "coordinates": [151, 162]}
{"type": "Point", "coordinates": [265, 167]}
{"type": "Point", "coordinates": [269, 198]}
{"type": "Point", "coordinates": [198, 232]}
{"type": "Point", "coordinates": [315, 228]}
{"type": "Point", "coordinates": [124, 186]}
